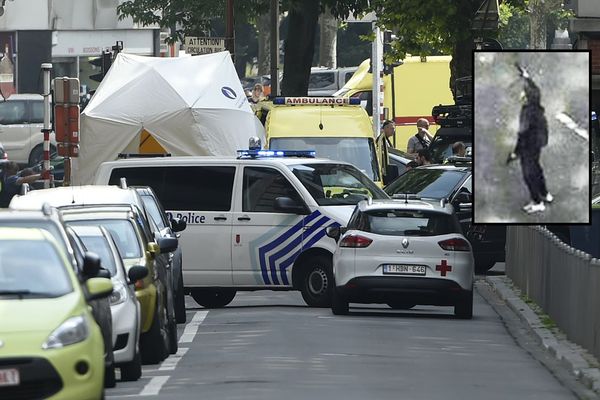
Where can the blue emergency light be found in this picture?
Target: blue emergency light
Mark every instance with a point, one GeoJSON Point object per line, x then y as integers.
{"type": "Point", "coordinates": [594, 117]}
{"type": "Point", "coordinates": [276, 153]}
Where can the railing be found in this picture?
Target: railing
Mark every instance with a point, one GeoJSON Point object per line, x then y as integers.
{"type": "Point", "coordinates": [563, 281]}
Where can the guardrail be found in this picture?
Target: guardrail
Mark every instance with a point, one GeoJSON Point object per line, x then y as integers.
{"type": "Point", "coordinates": [563, 281]}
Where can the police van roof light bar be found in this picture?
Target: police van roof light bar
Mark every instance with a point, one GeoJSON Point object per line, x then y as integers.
{"type": "Point", "coordinates": [276, 153]}
{"type": "Point", "coordinates": [316, 101]}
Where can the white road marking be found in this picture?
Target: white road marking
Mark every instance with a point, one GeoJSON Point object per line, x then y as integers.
{"type": "Point", "coordinates": [572, 125]}
{"type": "Point", "coordinates": [171, 362]}
{"type": "Point", "coordinates": [153, 387]}
{"type": "Point", "coordinates": [192, 327]}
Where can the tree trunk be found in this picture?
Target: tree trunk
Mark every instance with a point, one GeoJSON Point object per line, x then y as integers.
{"type": "Point", "coordinates": [299, 47]}
{"type": "Point", "coordinates": [461, 64]}
{"type": "Point", "coordinates": [328, 27]}
{"type": "Point", "coordinates": [537, 25]}
{"type": "Point", "coordinates": [263, 26]}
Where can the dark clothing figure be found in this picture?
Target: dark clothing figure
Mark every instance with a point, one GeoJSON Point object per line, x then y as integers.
{"type": "Point", "coordinates": [533, 135]}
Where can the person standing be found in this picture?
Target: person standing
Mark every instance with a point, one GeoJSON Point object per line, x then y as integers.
{"type": "Point", "coordinates": [533, 135]}
{"type": "Point", "coordinates": [421, 140]}
{"type": "Point", "coordinates": [12, 181]}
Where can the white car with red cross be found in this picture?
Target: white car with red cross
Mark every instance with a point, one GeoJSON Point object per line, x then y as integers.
{"type": "Point", "coordinates": [402, 253]}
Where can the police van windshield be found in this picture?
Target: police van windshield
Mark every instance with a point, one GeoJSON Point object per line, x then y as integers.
{"type": "Point", "coordinates": [357, 151]}
{"type": "Point", "coordinates": [336, 184]}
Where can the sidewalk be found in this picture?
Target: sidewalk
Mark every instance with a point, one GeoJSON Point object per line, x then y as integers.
{"type": "Point", "coordinates": [577, 360]}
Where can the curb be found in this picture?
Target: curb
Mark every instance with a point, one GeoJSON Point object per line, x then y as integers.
{"type": "Point", "coordinates": [568, 353]}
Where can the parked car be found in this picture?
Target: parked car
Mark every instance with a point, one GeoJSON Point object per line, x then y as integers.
{"type": "Point", "coordinates": [3, 155]}
{"type": "Point", "coordinates": [137, 245]}
{"type": "Point", "coordinates": [402, 253]}
{"type": "Point", "coordinates": [21, 123]}
{"type": "Point", "coordinates": [167, 228]}
{"type": "Point", "coordinates": [51, 345]}
{"type": "Point", "coordinates": [124, 306]}
{"type": "Point", "coordinates": [454, 183]}
{"type": "Point", "coordinates": [85, 264]}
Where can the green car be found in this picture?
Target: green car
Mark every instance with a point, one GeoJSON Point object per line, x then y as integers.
{"type": "Point", "coordinates": [50, 345]}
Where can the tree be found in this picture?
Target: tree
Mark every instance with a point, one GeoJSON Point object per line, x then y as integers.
{"type": "Point", "coordinates": [328, 28]}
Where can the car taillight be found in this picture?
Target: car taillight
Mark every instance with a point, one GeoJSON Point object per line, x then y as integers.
{"type": "Point", "coordinates": [455, 244]}
{"type": "Point", "coordinates": [5, 156]}
{"type": "Point", "coordinates": [355, 241]}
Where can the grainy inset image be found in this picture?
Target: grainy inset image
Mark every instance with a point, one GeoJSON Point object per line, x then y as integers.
{"type": "Point", "coordinates": [531, 132]}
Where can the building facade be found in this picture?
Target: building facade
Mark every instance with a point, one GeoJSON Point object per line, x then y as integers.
{"type": "Point", "coordinates": [67, 33]}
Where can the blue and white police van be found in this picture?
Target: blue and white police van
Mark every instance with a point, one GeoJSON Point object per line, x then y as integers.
{"type": "Point", "coordinates": [255, 221]}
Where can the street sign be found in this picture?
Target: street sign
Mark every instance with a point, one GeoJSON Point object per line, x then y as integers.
{"type": "Point", "coordinates": [66, 90]}
{"type": "Point", "coordinates": [66, 123]}
{"type": "Point", "coordinates": [204, 45]}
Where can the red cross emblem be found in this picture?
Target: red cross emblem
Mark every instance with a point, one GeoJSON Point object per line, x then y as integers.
{"type": "Point", "coordinates": [443, 267]}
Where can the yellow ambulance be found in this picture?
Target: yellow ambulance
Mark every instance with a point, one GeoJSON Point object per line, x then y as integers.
{"type": "Point", "coordinates": [336, 128]}
{"type": "Point", "coordinates": [410, 92]}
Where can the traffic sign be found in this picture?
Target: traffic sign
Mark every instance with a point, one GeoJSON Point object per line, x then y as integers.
{"type": "Point", "coordinates": [66, 123]}
{"type": "Point", "coordinates": [204, 45]}
{"type": "Point", "coordinates": [66, 90]}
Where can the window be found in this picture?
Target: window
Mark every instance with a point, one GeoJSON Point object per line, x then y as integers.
{"type": "Point", "coordinates": [429, 183]}
{"type": "Point", "coordinates": [405, 223]}
{"type": "Point", "coordinates": [37, 112]}
{"type": "Point", "coordinates": [347, 76]}
{"type": "Point", "coordinates": [100, 246]}
{"type": "Point", "coordinates": [12, 113]}
{"type": "Point", "coordinates": [262, 186]}
{"type": "Point", "coordinates": [320, 80]}
{"type": "Point", "coordinates": [123, 233]}
{"type": "Point", "coordinates": [202, 188]}
{"type": "Point", "coordinates": [155, 212]}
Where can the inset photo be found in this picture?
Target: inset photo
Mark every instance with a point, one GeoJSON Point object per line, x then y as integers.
{"type": "Point", "coordinates": [531, 137]}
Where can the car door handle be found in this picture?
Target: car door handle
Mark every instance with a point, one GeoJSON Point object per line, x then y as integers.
{"type": "Point", "coordinates": [243, 218]}
{"type": "Point", "coordinates": [220, 218]}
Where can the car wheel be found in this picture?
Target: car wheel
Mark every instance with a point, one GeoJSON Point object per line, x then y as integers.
{"type": "Point", "coordinates": [339, 304]}
{"type": "Point", "coordinates": [37, 154]}
{"type": "Point", "coordinates": [213, 298]}
{"type": "Point", "coordinates": [483, 264]}
{"type": "Point", "coordinates": [132, 370]}
{"type": "Point", "coordinates": [180, 303]}
{"type": "Point", "coordinates": [317, 282]}
{"type": "Point", "coordinates": [110, 380]}
{"type": "Point", "coordinates": [463, 308]}
{"type": "Point", "coordinates": [401, 305]}
{"type": "Point", "coordinates": [152, 343]}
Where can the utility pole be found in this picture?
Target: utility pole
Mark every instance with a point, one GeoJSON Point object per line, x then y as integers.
{"type": "Point", "coordinates": [274, 48]}
{"type": "Point", "coordinates": [229, 34]}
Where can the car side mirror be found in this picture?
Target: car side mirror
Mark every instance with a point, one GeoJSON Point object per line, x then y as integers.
{"type": "Point", "coordinates": [333, 232]}
{"type": "Point", "coordinates": [287, 205]}
{"type": "Point", "coordinates": [167, 244]}
{"type": "Point", "coordinates": [463, 197]}
{"type": "Point", "coordinates": [98, 288]}
{"type": "Point", "coordinates": [178, 224]}
{"type": "Point", "coordinates": [136, 273]}
{"type": "Point", "coordinates": [91, 264]}
{"type": "Point", "coordinates": [103, 273]}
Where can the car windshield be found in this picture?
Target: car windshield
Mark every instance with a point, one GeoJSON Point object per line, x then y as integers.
{"type": "Point", "coordinates": [336, 184]}
{"type": "Point", "coordinates": [430, 183]}
{"type": "Point", "coordinates": [100, 246]}
{"type": "Point", "coordinates": [357, 151]}
{"type": "Point", "coordinates": [123, 233]}
{"type": "Point", "coordinates": [441, 148]}
{"type": "Point", "coordinates": [405, 223]}
{"type": "Point", "coordinates": [26, 273]}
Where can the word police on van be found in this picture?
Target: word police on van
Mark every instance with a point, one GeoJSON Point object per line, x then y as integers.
{"type": "Point", "coordinates": [255, 221]}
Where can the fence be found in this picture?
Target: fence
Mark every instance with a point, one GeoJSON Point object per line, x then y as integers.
{"type": "Point", "coordinates": [563, 281]}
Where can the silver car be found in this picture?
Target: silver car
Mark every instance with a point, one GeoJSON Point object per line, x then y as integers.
{"type": "Point", "coordinates": [402, 253]}
{"type": "Point", "coordinates": [124, 306]}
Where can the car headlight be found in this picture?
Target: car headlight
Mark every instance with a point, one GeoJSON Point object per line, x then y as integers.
{"type": "Point", "coordinates": [73, 330]}
{"type": "Point", "coordinates": [119, 294]}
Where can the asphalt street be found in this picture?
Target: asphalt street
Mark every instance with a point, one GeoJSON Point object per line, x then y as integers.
{"type": "Point", "coordinates": [269, 345]}
{"type": "Point", "coordinates": [499, 190]}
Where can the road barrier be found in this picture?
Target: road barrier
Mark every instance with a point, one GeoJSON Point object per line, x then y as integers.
{"type": "Point", "coordinates": [563, 281]}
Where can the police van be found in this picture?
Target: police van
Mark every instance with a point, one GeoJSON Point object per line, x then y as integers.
{"type": "Point", "coordinates": [253, 222]}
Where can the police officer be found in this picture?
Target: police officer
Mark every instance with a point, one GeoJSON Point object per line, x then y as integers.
{"type": "Point", "coordinates": [533, 135]}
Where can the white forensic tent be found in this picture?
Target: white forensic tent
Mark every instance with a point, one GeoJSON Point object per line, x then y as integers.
{"type": "Point", "coordinates": [190, 105]}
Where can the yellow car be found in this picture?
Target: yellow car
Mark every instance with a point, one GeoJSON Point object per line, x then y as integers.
{"type": "Point", "coordinates": [50, 345]}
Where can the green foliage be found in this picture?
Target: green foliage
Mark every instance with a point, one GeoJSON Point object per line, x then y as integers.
{"type": "Point", "coordinates": [514, 27]}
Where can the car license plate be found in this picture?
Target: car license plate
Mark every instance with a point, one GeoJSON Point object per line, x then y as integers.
{"type": "Point", "coordinates": [9, 377]}
{"type": "Point", "coordinates": [402, 269]}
